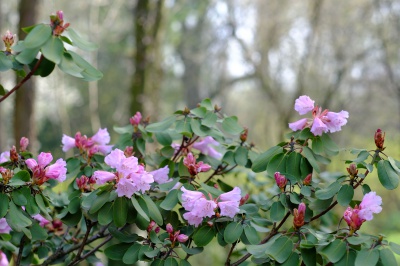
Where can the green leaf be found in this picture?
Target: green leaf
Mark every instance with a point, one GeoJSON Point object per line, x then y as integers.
{"type": "Point", "coordinates": [232, 232]}
{"type": "Point", "coordinates": [207, 104]}
{"type": "Point", "coordinates": [357, 240]}
{"type": "Point", "coordinates": [306, 191]}
{"type": "Point", "coordinates": [120, 211]}
{"type": "Point", "coordinates": [68, 66]}
{"type": "Point", "coordinates": [329, 144]}
{"type": "Point", "coordinates": [209, 120]}
{"type": "Point", "coordinates": [170, 200]}
{"type": "Point", "coordinates": [4, 201]}
{"type": "Point", "coordinates": [309, 256]}
{"type": "Point", "coordinates": [5, 62]}
{"type": "Point", "coordinates": [386, 256]}
{"type": "Point", "coordinates": [328, 192]}
{"type": "Point", "coordinates": [164, 138]}
{"type": "Point", "coordinates": [294, 259]}
{"type": "Point", "coordinates": [162, 125]}
{"type": "Point", "coordinates": [395, 247]}
{"type": "Point", "coordinates": [53, 49]}
{"type": "Point", "coordinates": [123, 130]}
{"type": "Point", "coordinates": [293, 165]}
{"type": "Point", "coordinates": [37, 36]}
{"type": "Point", "coordinates": [74, 205]}
{"type": "Point", "coordinates": [241, 155]}
{"type": "Point", "coordinates": [45, 67]}
{"type": "Point", "coordinates": [203, 236]}
{"type": "Point", "coordinates": [388, 177]}
{"type": "Point", "coordinates": [2, 90]}
{"type": "Point", "coordinates": [231, 126]}
{"type": "Point", "coordinates": [16, 219]}
{"type": "Point", "coordinates": [79, 42]}
{"type": "Point", "coordinates": [170, 262]}
{"type": "Point", "coordinates": [309, 154]}
{"type": "Point", "coordinates": [101, 199]}
{"type": "Point", "coordinates": [105, 215]}
{"type": "Point", "coordinates": [199, 112]}
{"type": "Point", "coordinates": [362, 156]}
{"type": "Point", "coordinates": [38, 232]}
{"type": "Point", "coordinates": [281, 249]}
{"type": "Point", "coordinates": [20, 178]}
{"type": "Point", "coordinates": [348, 259]}
{"type": "Point", "coordinates": [154, 212]}
{"type": "Point", "coordinates": [18, 197]}
{"type": "Point", "coordinates": [199, 129]}
{"type": "Point", "coordinates": [41, 204]}
{"type": "Point", "coordinates": [317, 145]}
{"type": "Point", "coordinates": [277, 164]}
{"type": "Point", "coordinates": [277, 211]}
{"type": "Point", "coordinates": [334, 251]}
{"type": "Point", "coordinates": [132, 254]}
{"type": "Point", "coordinates": [192, 251]}
{"type": "Point", "coordinates": [251, 235]}
{"type": "Point", "coordinates": [261, 162]}
{"type": "Point", "coordinates": [72, 219]}
{"type": "Point", "coordinates": [345, 195]}
{"type": "Point", "coordinates": [367, 257]}
{"type": "Point", "coordinates": [139, 209]}
{"type": "Point", "coordinates": [89, 73]}
{"type": "Point", "coordinates": [117, 252]}
{"type": "Point", "coordinates": [124, 236]}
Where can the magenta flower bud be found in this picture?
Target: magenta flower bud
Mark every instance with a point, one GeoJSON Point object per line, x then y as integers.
{"type": "Point", "coordinates": [135, 120]}
{"type": "Point", "coordinates": [60, 15]}
{"type": "Point", "coordinates": [23, 144]}
{"type": "Point", "coordinates": [157, 230]}
{"type": "Point", "coordinates": [244, 199]}
{"type": "Point", "coordinates": [182, 238]}
{"type": "Point", "coordinates": [82, 182]}
{"type": "Point", "coordinates": [3, 259]}
{"type": "Point", "coordinates": [281, 181]}
{"type": "Point", "coordinates": [298, 219]}
{"type": "Point", "coordinates": [151, 225]}
{"type": "Point", "coordinates": [169, 228]}
{"type": "Point", "coordinates": [307, 180]}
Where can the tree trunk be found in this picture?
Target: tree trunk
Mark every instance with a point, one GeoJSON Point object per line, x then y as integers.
{"type": "Point", "coordinates": [25, 96]}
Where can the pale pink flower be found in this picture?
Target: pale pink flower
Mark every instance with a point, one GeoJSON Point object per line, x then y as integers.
{"type": "Point", "coordinates": [5, 157]}
{"type": "Point", "coordinates": [233, 195]}
{"type": "Point", "coordinates": [189, 198]}
{"type": "Point", "coordinates": [42, 221]}
{"type": "Point", "coordinates": [193, 219]}
{"type": "Point", "coordinates": [115, 158]}
{"type": "Point", "coordinates": [9, 40]}
{"type": "Point", "coordinates": [97, 143]}
{"type": "Point", "coordinates": [135, 120]}
{"type": "Point", "coordinates": [182, 238]}
{"type": "Point", "coordinates": [57, 171]}
{"type": "Point", "coordinates": [205, 146]}
{"type": "Point", "coordinates": [102, 177]}
{"type": "Point", "coordinates": [335, 121]}
{"type": "Point", "coordinates": [161, 175]}
{"type": "Point", "coordinates": [318, 127]}
{"type": "Point", "coordinates": [229, 208]}
{"type": "Point", "coordinates": [303, 105]}
{"type": "Point", "coordinates": [370, 204]}
{"type": "Point", "coordinates": [4, 227]}
{"type": "Point", "coordinates": [3, 259]}
{"type": "Point", "coordinates": [204, 208]}
{"type": "Point", "coordinates": [101, 139]}
{"type": "Point", "coordinates": [142, 180]}
{"type": "Point", "coordinates": [67, 142]}
{"type": "Point", "coordinates": [125, 187]}
{"type": "Point", "coordinates": [298, 125]}
{"type": "Point", "coordinates": [194, 168]}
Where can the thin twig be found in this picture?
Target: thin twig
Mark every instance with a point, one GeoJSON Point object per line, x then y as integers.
{"type": "Point", "coordinates": [92, 251]}
{"type": "Point", "coordinates": [21, 248]}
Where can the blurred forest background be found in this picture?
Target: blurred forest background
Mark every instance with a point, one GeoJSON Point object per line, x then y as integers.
{"type": "Point", "coordinates": [251, 57]}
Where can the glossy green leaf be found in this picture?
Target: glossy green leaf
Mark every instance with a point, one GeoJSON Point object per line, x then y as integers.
{"type": "Point", "coordinates": [68, 66]}
{"type": "Point", "coordinates": [334, 251]}
{"type": "Point", "coordinates": [162, 125]}
{"type": "Point", "coordinates": [38, 232]}
{"type": "Point", "coordinates": [329, 144]}
{"type": "Point", "coordinates": [16, 219]}
{"type": "Point", "coordinates": [117, 252]}
{"type": "Point", "coordinates": [120, 211]}
{"type": "Point", "coordinates": [293, 165]}
{"type": "Point", "coordinates": [241, 155]}
{"type": "Point", "coordinates": [199, 129]}
{"type": "Point", "coordinates": [395, 247]}
{"type": "Point", "coordinates": [170, 200]}
{"type": "Point", "coordinates": [357, 240]}
{"type": "Point", "coordinates": [207, 104]}
{"type": "Point", "coordinates": [105, 215]}
{"type": "Point", "coordinates": [367, 257]}
{"type": "Point", "coordinates": [345, 195]}
{"type": "Point", "coordinates": [37, 36]}
{"type": "Point", "coordinates": [209, 120]}
{"type": "Point", "coordinates": [183, 127]}
{"type": "Point", "coordinates": [31, 206]}
{"type": "Point", "coordinates": [305, 168]}
{"type": "Point", "coordinates": [192, 251]}
{"type": "Point", "coordinates": [232, 232]}
{"type": "Point", "coordinates": [317, 145]}
{"type": "Point", "coordinates": [88, 200]}
{"type": "Point", "coordinates": [139, 209]}
{"type": "Point", "coordinates": [74, 205]}
{"type": "Point", "coordinates": [72, 219]}
{"type": "Point", "coordinates": [252, 235]}
{"type": "Point", "coordinates": [4, 201]}
{"type": "Point", "coordinates": [101, 199]}
{"type": "Point", "coordinates": [277, 211]}
{"type": "Point", "coordinates": [281, 249]}
{"type": "Point", "coordinates": [387, 257]}
{"type": "Point", "coordinates": [199, 112]}
{"type": "Point", "coordinates": [45, 68]}
{"type": "Point", "coordinates": [171, 262]}
{"type": "Point", "coordinates": [20, 178]}
{"type": "Point", "coordinates": [231, 125]}
{"type": "Point", "coordinates": [309, 154]}
{"type": "Point", "coordinates": [164, 138]}
{"type": "Point", "coordinates": [18, 197]}
{"type": "Point", "coordinates": [42, 206]}
{"type": "Point", "coordinates": [5, 62]}
{"type": "Point", "coordinates": [328, 192]}
{"type": "Point", "coordinates": [132, 254]}
{"type": "Point", "coordinates": [89, 73]}
{"type": "Point", "coordinates": [362, 156]}
{"type": "Point", "coordinates": [294, 259]}
{"type": "Point", "coordinates": [79, 42]}
{"type": "Point", "coordinates": [53, 49]}
{"type": "Point", "coordinates": [306, 191]}
{"type": "Point", "coordinates": [348, 259]}
{"type": "Point", "coordinates": [203, 236]}
{"type": "Point", "coordinates": [277, 164]}
{"type": "Point", "coordinates": [154, 212]}
{"type": "Point", "coordinates": [388, 177]}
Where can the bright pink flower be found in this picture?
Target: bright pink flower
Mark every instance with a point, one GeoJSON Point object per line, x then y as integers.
{"type": "Point", "coordinates": [44, 158]}
{"type": "Point", "coordinates": [370, 204]}
{"type": "Point", "coordinates": [102, 177]}
{"type": "Point", "coordinates": [298, 125]}
{"type": "Point", "coordinates": [97, 143]}
{"type": "Point", "coordinates": [182, 238]}
{"type": "Point", "coordinates": [161, 175]}
{"type": "Point", "coordinates": [280, 180]}
{"type": "Point", "coordinates": [352, 218]}
{"type": "Point", "coordinates": [233, 195]}
{"type": "Point", "coordinates": [4, 227]}
{"type": "Point", "coordinates": [42, 221]}
{"type": "Point", "coordinates": [43, 171]}
{"type": "Point", "coordinates": [82, 182]}
{"type": "Point", "coordinates": [3, 259]}
{"type": "Point", "coordinates": [135, 120]}
{"type": "Point", "coordinates": [23, 144]}
{"type": "Point", "coordinates": [303, 105]}
{"type": "Point", "coordinates": [57, 171]}
{"type": "Point", "coordinates": [5, 157]}
{"type": "Point", "coordinates": [205, 147]}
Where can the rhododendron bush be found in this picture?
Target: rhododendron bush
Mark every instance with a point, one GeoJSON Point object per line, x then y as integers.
{"type": "Point", "coordinates": [163, 205]}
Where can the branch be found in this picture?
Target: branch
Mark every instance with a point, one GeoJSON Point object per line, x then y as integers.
{"type": "Point", "coordinates": [92, 251]}
{"type": "Point", "coordinates": [21, 248]}
{"type": "Point", "coordinates": [23, 80]}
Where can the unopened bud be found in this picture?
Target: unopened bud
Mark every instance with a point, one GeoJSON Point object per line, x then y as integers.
{"type": "Point", "coordinates": [13, 154]}
{"type": "Point", "coordinates": [217, 108]}
{"type": "Point", "coordinates": [307, 180]}
{"type": "Point", "coordinates": [151, 225]}
{"type": "Point", "coordinates": [182, 238]}
{"type": "Point", "coordinates": [82, 182]}
{"type": "Point", "coordinates": [243, 136]}
{"type": "Point", "coordinates": [157, 230]}
{"type": "Point", "coordinates": [128, 152]}
{"type": "Point", "coordinates": [169, 228]}
{"type": "Point", "coordinates": [298, 220]}
{"type": "Point", "coordinates": [23, 144]}
{"type": "Point", "coordinates": [135, 120]}
{"type": "Point", "coordinates": [244, 199]}
{"type": "Point", "coordinates": [281, 181]}
{"type": "Point", "coordinates": [8, 40]}
{"type": "Point", "coordinates": [57, 224]}
{"type": "Point", "coordinates": [379, 139]}
{"type": "Point", "coordinates": [352, 170]}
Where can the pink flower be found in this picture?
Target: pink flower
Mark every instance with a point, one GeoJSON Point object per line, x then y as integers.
{"type": "Point", "coordinates": [42, 221]}
{"type": "Point", "coordinates": [125, 187]}
{"type": "Point", "coordinates": [194, 168]}
{"type": "Point", "coordinates": [322, 121]}
{"type": "Point", "coordinates": [205, 147]}
{"type": "Point", "coordinates": [135, 120]}
{"type": "Point", "coordinates": [8, 40]}
{"type": "Point", "coordinates": [204, 208]}
{"type": "Point", "coordinates": [169, 228]}
{"type": "Point", "coordinates": [233, 195]}
{"type": "Point", "coordinates": [42, 171]}
{"type": "Point", "coordinates": [193, 219]}
{"type": "Point", "coordinates": [4, 227]}
{"type": "Point", "coordinates": [182, 238]}
{"type": "Point", "coordinates": [5, 157]}
{"type": "Point", "coordinates": [67, 142]}
{"type": "Point", "coordinates": [101, 139]}
{"type": "Point", "coordinates": [370, 204]}
{"type": "Point", "coordinates": [298, 125]}
{"type": "Point", "coordinates": [352, 218]}
{"type": "Point", "coordinates": [3, 259]}
{"type": "Point", "coordinates": [303, 105]}
{"type": "Point", "coordinates": [97, 143]}
{"type": "Point", "coordinates": [102, 177]}
{"type": "Point", "coordinates": [161, 175]}
{"type": "Point", "coordinates": [229, 208]}
{"type": "Point", "coordinates": [189, 198]}
{"type": "Point", "coordinates": [280, 180]}
{"type": "Point", "coordinates": [115, 158]}
{"type": "Point", "coordinates": [23, 144]}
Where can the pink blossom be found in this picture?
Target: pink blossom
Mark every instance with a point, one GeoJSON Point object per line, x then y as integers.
{"type": "Point", "coordinates": [205, 147]}
{"type": "Point", "coordinates": [318, 127]}
{"type": "Point", "coordinates": [101, 139]}
{"type": "Point", "coordinates": [299, 213]}
{"type": "Point", "coordinates": [169, 228]}
{"type": "Point", "coordinates": [280, 180]}
{"type": "Point", "coordinates": [189, 198]}
{"type": "Point", "coordinates": [194, 168]}
{"type": "Point", "coordinates": [233, 195]}
{"type": "Point", "coordinates": [352, 218]}
{"type": "Point", "coordinates": [125, 187]}
{"type": "Point", "coordinates": [67, 142]}
{"type": "Point", "coordinates": [97, 143]}
{"type": "Point", "coordinates": [23, 143]}
{"type": "Point", "coordinates": [3, 259]}
{"type": "Point", "coordinates": [204, 208]}
{"type": "Point", "coordinates": [115, 158]}
{"type": "Point", "coordinates": [135, 120]}
{"type": "Point", "coordinates": [57, 171]}
{"type": "Point", "coordinates": [303, 105]}
{"type": "Point", "coordinates": [42, 171]}
{"type": "Point", "coordinates": [4, 227]}
{"type": "Point", "coordinates": [9, 40]}
{"type": "Point", "coordinates": [193, 219]}
{"type": "Point", "coordinates": [229, 208]}
{"type": "Point", "coordinates": [161, 175]}
{"type": "Point", "coordinates": [335, 121]}
{"type": "Point", "coordinates": [5, 157]}
{"type": "Point", "coordinates": [182, 238]}
{"type": "Point", "coordinates": [42, 221]}
{"type": "Point", "coordinates": [370, 204]}
{"type": "Point", "coordinates": [102, 177]}
{"type": "Point", "coordinates": [142, 180]}
{"type": "Point", "coordinates": [298, 125]}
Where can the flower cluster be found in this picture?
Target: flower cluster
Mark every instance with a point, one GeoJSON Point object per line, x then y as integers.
{"type": "Point", "coordinates": [199, 207]}
{"type": "Point", "coordinates": [195, 167]}
{"type": "Point", "coordinates": [322, 121]}
{"type": "Point", "coordinates": [356, 216]}
{"type": "Point", "coordinates": [43, 171]}
{"type": "Point", "coordinates": [57, 23]}
{"type": "Point", "coordinates": [175, 235]}
{"type": "Point", "coordinates": [130, 177]}
{"type": "Point", "coordinates": [97, 143]}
